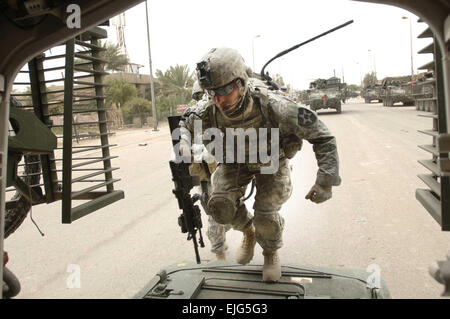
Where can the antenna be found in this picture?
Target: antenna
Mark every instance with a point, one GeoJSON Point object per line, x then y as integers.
{"type": "Point", "coordinates": [269, 79]}
{"type": "Point", "coordinates": [120, 22]}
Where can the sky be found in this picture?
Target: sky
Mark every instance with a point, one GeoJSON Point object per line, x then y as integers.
{"type": "Point", "coordinates": [181, 32]}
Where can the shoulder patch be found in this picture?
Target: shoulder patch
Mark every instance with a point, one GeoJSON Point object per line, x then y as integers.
{"type": "Point", "coordinates": [306, 117]}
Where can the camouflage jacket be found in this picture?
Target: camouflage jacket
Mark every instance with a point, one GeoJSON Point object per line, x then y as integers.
{"type": "Point", "coordinates": [268, 109]}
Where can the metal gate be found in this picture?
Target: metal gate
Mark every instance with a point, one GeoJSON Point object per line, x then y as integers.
{"type": "Point", "coordinates": [436, 198]}
{"type": "Point", "coordinates": [67, 101]}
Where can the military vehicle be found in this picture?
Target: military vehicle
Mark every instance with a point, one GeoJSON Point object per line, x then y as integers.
{"type": "Point", "coordinates": [302, 97]}
{"type": "Point", "coordinates": [397, 89]}
{"type": "Point", "coordinates": [372, 93]}
{"type": "Point", "coordinates": [424, 92]}
{"type": "Point", "coordinates": [326, 94]}
{"type": "Point", "coordinates": [353, 93]}
{"type": "Point", "coordinates": [27, 34]}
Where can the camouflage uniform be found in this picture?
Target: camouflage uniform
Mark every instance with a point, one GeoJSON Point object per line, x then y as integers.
{"type": "Point", "coordinates": [264, 108]}
{"type": "Point", "coordinates": [216, 232]}
{"type": "Point", "coordinates": [217, 235]}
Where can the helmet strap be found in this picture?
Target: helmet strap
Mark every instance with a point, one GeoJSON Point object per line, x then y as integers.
{"type": "Point", "coordinates": [241, 87]}
{"type": "Point", "coordinates": [240, 106]}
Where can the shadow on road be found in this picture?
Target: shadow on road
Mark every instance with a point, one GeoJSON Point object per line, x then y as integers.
{"type": "Point", "coordinates": [336, 113]}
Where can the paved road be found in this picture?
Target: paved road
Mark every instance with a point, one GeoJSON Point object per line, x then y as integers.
{"type": "Point", "coordinates": [373, 217]}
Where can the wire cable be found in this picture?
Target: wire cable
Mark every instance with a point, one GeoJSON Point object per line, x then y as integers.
{"type": "Point", "coordinates": [28, 178]}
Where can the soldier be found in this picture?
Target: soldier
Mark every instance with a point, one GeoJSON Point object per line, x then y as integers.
{"type": "Point", "coordinates": [216, 232]}
{"type": "Point", "coordinates": [237, 101]}
{"type": "Point", "coordinates": [197, 92]}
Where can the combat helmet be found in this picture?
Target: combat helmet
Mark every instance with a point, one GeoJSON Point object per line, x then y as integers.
{"type": "Point", "coordinates": [220, 67]}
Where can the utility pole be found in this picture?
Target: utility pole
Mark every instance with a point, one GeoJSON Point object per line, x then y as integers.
{"type": "Point", "coordinates": [152, 88]}
{"type": "Point", "coordinates": [360, 73]}
{"type": "Point", "coordinates": [253, 51]}
{"type": "Point", "coordinates": [374, 66]}
{"type": "Point", "coordinates": [410, 45]}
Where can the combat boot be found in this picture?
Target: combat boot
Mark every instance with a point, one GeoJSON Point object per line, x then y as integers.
{"type": "Point", "coordinates": [221, 255]}
{"type": "Point", "coordinates": [247, 248]}
{"type": "Point", "coordinates": [272, 266]}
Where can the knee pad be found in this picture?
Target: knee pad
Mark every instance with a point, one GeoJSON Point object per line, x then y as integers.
{"type": "Point", "coordinates": [268, 225]}
{"type": "Point", "coordinates": [222, 206]}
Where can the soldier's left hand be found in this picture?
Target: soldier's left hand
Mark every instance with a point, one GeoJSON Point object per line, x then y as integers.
{"type": "Point", "coordinates": [319, 194]}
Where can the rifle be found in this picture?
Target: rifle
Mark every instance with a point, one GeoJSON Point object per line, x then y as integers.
{"type": "Point", "coordinates": [190, 219]}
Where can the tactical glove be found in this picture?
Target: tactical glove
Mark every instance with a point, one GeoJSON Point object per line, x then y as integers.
{"type": "Point", "coordinates": [184, 151]}
{"type": "Point", "coordinates": [319, 194]}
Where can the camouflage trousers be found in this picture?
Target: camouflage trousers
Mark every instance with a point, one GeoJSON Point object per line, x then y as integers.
{"type": "Point", "coordinates": [272, 190]}
{"type": "Point", "coordinates": [216, 232]}
{"type": "Point", "coordinates": [217, 235]}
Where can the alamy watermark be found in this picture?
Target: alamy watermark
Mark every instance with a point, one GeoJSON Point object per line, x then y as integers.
{"type": "Point", "coordinates": [73, 20]}
{"type": "Point", "coordinates": [247, 146]}
{"type": "Point", "coordinates": [74, 279]}
{"type": "Point", "coordinates": [374, 279]}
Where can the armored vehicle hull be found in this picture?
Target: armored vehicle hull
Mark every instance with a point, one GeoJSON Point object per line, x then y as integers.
{"type": "Point", "coordinates": [325, 102]}
{"type": "Point", "coordinates": [397, 89]}
{"type": "Point", "coordinates": [395, 95]}
{"type": "Point", "coordinates": [225, 280]}
{"type": "Point", "coordinates": [425, 96]}
{"type": "Point", "coordinates": [327, 94]}
{"type": "Point", "coordinates": [372, 95]}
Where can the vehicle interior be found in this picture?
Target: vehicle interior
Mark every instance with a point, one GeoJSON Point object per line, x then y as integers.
{"type": "Point", "coordinates": [29, 28]}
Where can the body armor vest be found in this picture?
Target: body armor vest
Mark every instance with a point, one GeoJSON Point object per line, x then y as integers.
{"type": "Point", "coordinates": [254, 118]}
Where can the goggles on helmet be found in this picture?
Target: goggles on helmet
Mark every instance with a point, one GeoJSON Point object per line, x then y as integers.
{"type": "Point", "coordinates": [222, 91]}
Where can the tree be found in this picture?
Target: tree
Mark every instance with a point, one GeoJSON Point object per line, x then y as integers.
{"type": "Point", "coordinates": [176, 79]}
{"type": "Point", "coordinates": [370, 79]}
{"type": "Point", "coordinates": [354, 87]}
{"type": "Point", "coordinates": [116, 59]}
{"type": "Point", "coordinates": [175, 87]}
{"type": "Point", "coordinates": [277, 78]}
{"type": "Point", "coordinates": [118, 93]}
{"type": "Point", "coordinates": [24, 100]}
{"type": "Point", "coordinates": [137, 106]}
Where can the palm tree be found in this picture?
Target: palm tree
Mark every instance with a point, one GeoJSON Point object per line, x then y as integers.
{"type": "Point", "coordinates": [116, 60]}
{"type": "Point", "coordinates": [177, 79]}
{"type": "Point", "coordinates": [175, 87]}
